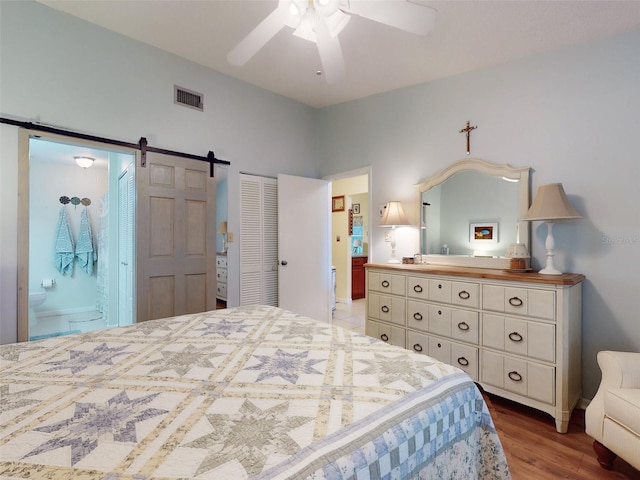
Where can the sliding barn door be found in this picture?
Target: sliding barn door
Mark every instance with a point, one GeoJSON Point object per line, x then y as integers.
{"type": "Point", "coordinates": [258, 240]}
{"type": "Point", "coordinates": [175, 238]}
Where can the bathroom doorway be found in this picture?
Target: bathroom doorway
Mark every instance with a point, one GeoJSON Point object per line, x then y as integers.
{"type": "Point", "coordinates": [79, 263]}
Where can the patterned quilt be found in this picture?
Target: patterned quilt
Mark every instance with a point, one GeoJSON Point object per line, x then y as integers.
{"type": "Point", "coordinates": [249, 392]}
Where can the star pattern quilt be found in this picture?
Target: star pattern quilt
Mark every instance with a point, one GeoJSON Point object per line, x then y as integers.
{"type": "Point", "coordinates": [243, 393]}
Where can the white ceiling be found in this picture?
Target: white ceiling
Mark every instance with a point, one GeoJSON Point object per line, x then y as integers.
{"type": "Point", "coordinates": [468, 35]}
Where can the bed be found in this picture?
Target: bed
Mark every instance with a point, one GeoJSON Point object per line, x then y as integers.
{"type": "Point", "coordinates": [249, 392]}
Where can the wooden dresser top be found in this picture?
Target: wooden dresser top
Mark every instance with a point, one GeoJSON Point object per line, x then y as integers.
{"type": "Point", "coordinates": [531, 277]}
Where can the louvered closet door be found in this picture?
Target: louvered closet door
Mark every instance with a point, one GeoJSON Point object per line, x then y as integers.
{"type": "Point", "coordinates": [176, 237]}
{"type": "Point", "coordinates": [126, 225]}
{"type": "Point", "coordinates": [258, 240]}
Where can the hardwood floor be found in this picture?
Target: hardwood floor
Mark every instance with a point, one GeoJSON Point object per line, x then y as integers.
{"type": "Point", "coordinates": [536, 451]}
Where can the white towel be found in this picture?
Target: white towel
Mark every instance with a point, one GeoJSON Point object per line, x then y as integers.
{"type": "Point", "coordinates": [84, 249]}
{"type": "Point", "coordinates": [64, 245]}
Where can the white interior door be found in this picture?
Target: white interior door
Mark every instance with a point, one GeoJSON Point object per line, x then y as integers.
{"type": "Point", "coordinates": [304, 279]}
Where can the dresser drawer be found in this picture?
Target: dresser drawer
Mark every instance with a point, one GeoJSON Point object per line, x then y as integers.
{"type": "Point", "coordinates": [519, 301]}
{"type": "Point", "coordinates": [518, 376]}
{"type": "Point", "coordinates": [418, 315]}
{"type": "Point", "coordinates": [418, 287]}
{"type": "Point", "coordinates": [462, 356]}
{"type": "Point", "coordinates": [221, 290]}
{"type": "Point", "coordinates": [387, 283]}
{"type": "Point", "coordinates": [221, 261]}
{"type": "Point", "coordinates": [387, 308]}
{"type": "Point", "coordinates": [221, 275]}
{"type": "Point", "coordinates": [386, 333]}
{"type": "Point", "coordinates": [533, 339]}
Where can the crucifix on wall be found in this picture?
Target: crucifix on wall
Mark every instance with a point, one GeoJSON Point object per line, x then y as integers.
{"type": "Point", "coordinates": [467, 130]}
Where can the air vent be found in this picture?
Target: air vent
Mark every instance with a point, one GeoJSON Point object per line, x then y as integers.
{"type": "Point", "coordinates": [188, 98]}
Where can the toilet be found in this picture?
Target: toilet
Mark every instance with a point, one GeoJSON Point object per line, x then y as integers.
{"type": "Point", "coordinates": [35, 299]}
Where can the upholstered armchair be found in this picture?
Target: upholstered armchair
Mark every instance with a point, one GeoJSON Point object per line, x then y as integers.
{"type": "Point", "coordinates": [613, 417]}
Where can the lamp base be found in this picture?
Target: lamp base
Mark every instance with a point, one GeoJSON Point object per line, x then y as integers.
{"type": "Point", "coordinates": [550, 271]}
{"type": "Point", "coordinates": [393, 260]}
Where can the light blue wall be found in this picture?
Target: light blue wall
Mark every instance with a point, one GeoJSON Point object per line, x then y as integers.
{"type": "Point", "coordinates": [572, 115]}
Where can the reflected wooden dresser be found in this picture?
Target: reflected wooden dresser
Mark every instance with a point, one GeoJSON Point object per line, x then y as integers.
{"type": "Point", "coordinates": [518, 335]}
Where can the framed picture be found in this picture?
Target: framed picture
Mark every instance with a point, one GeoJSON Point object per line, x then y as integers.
{"type": "Point", "coordinates": [356, 209]}
{"type": "Point", "coordinates": [337, 204]}
{"type": "Point", "coordinates": [486, 233]}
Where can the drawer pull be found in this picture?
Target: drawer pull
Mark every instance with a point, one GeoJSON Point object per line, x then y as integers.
{"type": "Point", "coordinates": [464, 295]}
{"type": "Point", "coordinates": [417, 316]}
{"type": "Point", "coordinates": [439, 285]}
{"type": "Point", "coordinates": [515, 302]}
{"type": "Point", "coordinates": [439, 312]}
{"type": "Point", "coordinates": [417, 288]}
{"type": "Point", "coordinates": [439, 345]}
{"type": "Point", "coordinates": [463, 361]}
{"type": "Point", "coordinates": [384, 309]}
{"type": "Point", "coordinates": [417, 347]}
{"type": "Point", "coordinates": [515, 376]}
{"type": "Point", "coordinates": [385, 283]}
{"type": "Point", "coordinates": [464, 326]}
{"type": "Point", "coordinates": [384, 337]}
{"type": "Point", "coordinates": [515, 337]}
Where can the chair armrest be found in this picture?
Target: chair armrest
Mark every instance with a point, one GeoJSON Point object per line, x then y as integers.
{"type": "Point", "coordinates": [619, 369]}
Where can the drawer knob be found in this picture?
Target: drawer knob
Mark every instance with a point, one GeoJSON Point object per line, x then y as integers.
{"type": "Point", "coordinates": [385, 283]}
{"type": "Point", "coordinates": [439, 312]}
{"type": "Point", "coordinates": [439, 345]}
{"type": "Point", "coordinates": [417, 288]}
{"type": "Point", "coordinates": [384, 337]}
{"type": "Point", "coordinates": [417, 316]}
{"type": "Point", "coordinates": [464, 295]}
{"type": "Point", "coordinates": [515, 376]}
{"type": "Point", "coordinates": [439, 285]}
{"type": "Point", "coordinates": [464, 326]}
{"type": "Point", "coordinates": [515, 337]}
{"type": "Point", "coordinates": [463, 361]}
{"type": "Point", "coordinates": [417, 347]}
{"type": "Point", "coordinates": [384, 309]}
{"type": "Point", "coordinates": [515, 302]}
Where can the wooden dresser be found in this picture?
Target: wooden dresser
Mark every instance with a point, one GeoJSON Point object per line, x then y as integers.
{"type": "Point", "coordinates": [518, 335]}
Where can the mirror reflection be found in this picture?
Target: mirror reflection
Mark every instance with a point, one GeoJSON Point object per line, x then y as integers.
{"type": "Point", "coordinates": [469, 213]}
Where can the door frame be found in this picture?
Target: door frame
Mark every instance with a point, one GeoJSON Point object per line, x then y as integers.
{"type": "Point", "coordinates": [24, 135]}
{"type": "Point", "coordinates": [350, 174]}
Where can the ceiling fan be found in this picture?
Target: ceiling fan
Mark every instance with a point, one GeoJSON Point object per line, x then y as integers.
{"type": "Point", "coordinates": [320, 21]}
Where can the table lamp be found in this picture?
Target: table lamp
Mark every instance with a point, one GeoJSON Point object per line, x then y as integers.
{"type": "Point", "coordinates": [393, 217]}
{"type": "Point", "coordinates": [551, 204]}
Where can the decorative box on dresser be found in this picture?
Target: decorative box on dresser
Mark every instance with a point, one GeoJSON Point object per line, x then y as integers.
{"type": "Point", "coordinates": [221, 276]}
{"type": "Point", "coordinates": [518, 335]}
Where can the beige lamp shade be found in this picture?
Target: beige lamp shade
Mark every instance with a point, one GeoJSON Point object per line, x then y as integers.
{"type": "Point", "coordinates": [223, 227]}
{"type": "Point", "coordinates": [394, 215]}
{"type": "Point", "coordinates": [551, 203]}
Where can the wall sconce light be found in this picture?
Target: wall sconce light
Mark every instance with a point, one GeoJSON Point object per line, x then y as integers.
{"type": "Point", "coordinates": [551, 204]}
{"type": "Point", "coordinates": [393, 217]}
{"type": "Point", "coordinates": [84, 162]}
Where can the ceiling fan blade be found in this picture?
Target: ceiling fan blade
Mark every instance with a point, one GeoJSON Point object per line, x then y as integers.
{"type": "Point", "coordinates": [330, 53]}
{"type": "Point", "coordinates": [257, 38]}
{"type": "Point", "coordinates": [407, 16]}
